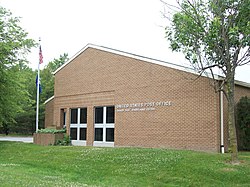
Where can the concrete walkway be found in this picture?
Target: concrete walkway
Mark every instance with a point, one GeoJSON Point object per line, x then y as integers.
{"type": "Point", "coordinates": [17, 139]}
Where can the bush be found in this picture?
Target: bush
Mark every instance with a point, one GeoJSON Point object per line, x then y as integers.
{"type": "Point", "coordinates": [52, 131]}
{"type": "Point", "coordinates": [243, 123]}
{"type": "Point", "coordinates": [65, 142]}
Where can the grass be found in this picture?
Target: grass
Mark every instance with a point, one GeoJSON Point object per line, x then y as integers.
{"type": "Point", "coordinates": [32, 165]}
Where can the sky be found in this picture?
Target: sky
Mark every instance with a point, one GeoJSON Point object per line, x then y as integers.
{"type": "Point", "coordinates": [66, 26]}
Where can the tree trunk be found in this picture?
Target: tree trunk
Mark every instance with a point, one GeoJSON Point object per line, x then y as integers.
{"type": "Point", "coordinates": [233, 147]}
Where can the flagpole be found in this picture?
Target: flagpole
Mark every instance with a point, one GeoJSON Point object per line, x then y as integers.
{"type": "Point", "coordinates": [37, 90]}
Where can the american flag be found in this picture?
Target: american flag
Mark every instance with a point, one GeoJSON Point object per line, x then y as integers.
{"type": "Point", "coordinates": [40, 56]}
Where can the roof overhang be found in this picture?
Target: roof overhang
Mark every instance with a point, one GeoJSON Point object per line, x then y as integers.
{"type": "Point", "coordinates": [146, 59]}
{"type": "Point", "coordinates": [48, 100]}
{"type": "Point", "coordinates": [241, 83]}
{"type": "Point", "coordinates": [130, 55]}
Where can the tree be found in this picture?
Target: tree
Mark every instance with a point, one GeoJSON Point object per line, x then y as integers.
{"type": "Point", "coordinates": [214, 34]}
{"type": "Point", "coordinates": [25, 118]}
{"type": "Point", "coordinates": [14, 45]}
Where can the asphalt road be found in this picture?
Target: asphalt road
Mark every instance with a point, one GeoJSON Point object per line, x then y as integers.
{"type": "Point", "coordinates": [17, 139]}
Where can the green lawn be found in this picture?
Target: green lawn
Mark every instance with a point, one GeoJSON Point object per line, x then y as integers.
{"type": "Point", "coordinates": [32, 165]}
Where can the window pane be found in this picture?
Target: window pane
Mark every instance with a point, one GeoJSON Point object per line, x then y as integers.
{"type": "Point", "coordinates": [73, 133]}
{"type": "Point", "coordinates": [73, 118]}
{"type": "Point", "coordinates": [110, 134]}
{"type": "Point", "coordinates": [99, 115]}
{"type": "Point", "coordinates": [64, 119]}
{"type": "Point", "coordinates": [98, 134]}
{"type": "Point", "coordinates": [83, 133]}
{"type": "Point", "coordinates": [83, 115]}
{"type": "Point", "coordinates": [110, 115]}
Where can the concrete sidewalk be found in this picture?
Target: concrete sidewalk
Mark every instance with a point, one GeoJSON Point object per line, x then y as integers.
{"type": "Point", "coordinates": [17, 139]}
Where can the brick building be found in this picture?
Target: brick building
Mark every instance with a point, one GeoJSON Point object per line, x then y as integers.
{"type": "Point", "coordinates": [107, 97]}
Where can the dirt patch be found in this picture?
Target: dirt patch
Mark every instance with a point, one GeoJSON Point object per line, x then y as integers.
{"type": "Point", "coordinates": [228, 169]}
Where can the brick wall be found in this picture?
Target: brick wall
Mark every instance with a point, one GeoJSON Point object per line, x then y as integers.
{"type": "Point", "coordinates": [49, 114]}
{"type": "Point", "coordinates": [241, 91]}
{"type": "Point", "coordinates": [47, 138]}
{"type": "Point", "coordinates": [98, 78]}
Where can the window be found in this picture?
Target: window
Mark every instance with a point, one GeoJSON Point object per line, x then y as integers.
{"type": "Point", "coordinates": [109, 134]}
{"type": "Point", "coordinates": [64, 119]}
{"type": "Point", "coordinates": [83, 115]}
{"type": "Point", "coordinates": [73, 118]}
{"type": "Point", "coordinates": [110, 114]}
{"type": "Point", "coordinates": [78, 124]}
{"type": "Point", "coordinates": [83, 133]}
{"type": "Point", "coordinates": [98, 134]}
{"type": "Point", "coordinates": [104, 124]}
{"type": "Point", "coordinates": [99, 115]}
{"type": "Point", "coordinates": [73, 133]}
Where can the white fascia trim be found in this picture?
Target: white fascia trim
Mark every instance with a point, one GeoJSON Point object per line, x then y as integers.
{"type": "Point", "coordinates": [240, 83]}
{"type": "Point", "coordinates": [48, 100]}
{"type": "Point", "coordinates": [130, 55]}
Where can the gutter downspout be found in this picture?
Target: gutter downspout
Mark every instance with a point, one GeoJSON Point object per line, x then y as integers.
{"type": "Point", "coordinates": [221, 123]}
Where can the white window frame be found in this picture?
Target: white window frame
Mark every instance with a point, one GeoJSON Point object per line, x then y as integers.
{"type": "Point", "coordinates": [78, 125]}
{"type": "Point", "coordinates": [104, 126]}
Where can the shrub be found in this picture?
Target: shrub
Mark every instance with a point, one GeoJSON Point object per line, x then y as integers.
{"type": "Point", "coordinates": [243, 123]}
{"type": "Point", "coordinates": [52, 131]}
{"type": "Point", "coordinates": [65, 142]}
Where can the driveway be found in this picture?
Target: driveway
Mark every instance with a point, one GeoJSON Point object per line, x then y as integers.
{"type": "Point", "coordinates": [17, 139]}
